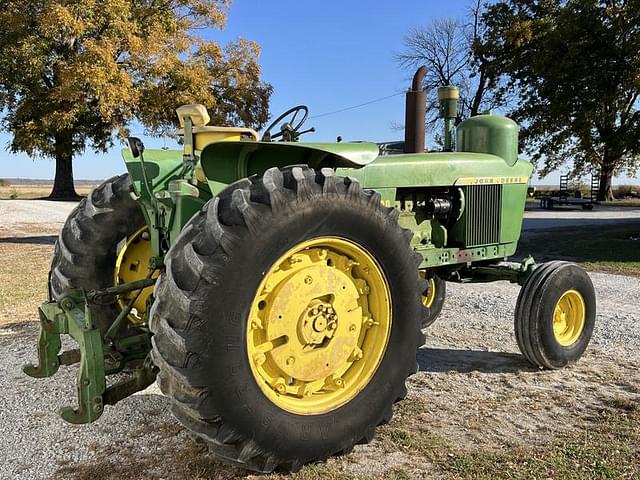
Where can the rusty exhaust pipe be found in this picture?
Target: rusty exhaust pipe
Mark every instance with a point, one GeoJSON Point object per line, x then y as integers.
{"type": "Point", "coordinates": [415, 110]}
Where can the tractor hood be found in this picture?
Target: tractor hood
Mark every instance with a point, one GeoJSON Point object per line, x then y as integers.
{"type": "Point", "coordinates": [225, 162]}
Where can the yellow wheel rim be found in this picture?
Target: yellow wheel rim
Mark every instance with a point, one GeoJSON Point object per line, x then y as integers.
{"type": "Point", "coordinates": [133, 264]}
{"type": "Point", "coordinates": [569, 318]}
{"type": "Point", "coordinates": [429, 295]}
{"type": "Point", "coordinates": [319, 325]}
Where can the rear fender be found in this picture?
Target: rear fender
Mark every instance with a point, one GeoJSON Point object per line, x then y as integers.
{"type": "Point", "coordinates": [225, 162]}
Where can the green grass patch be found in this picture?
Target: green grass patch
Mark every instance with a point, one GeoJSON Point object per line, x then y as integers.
{"type": "Point", "coordinates": [610, 449]}
{"type": "Point", "coordinates": [608, 248]}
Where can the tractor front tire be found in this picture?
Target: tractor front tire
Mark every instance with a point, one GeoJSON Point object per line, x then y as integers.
{"type": "Point", "coordinates": [555, 315]}
{"type": "Point", "coordinates": [433, 298]}
{"type": "Point", "coordinates": [286, 323]}
{"type": "Point", "coordinates": [85, 252]}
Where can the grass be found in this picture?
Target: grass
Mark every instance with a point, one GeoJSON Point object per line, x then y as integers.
{"type": "Point", "coordinates": [606, 249]}
{"type": "Point", "coordinates": [609, 448]}
{"type": "Point", "coordinates": [23, 278]}
{"type": "Point", "coordinates": [31, 192]}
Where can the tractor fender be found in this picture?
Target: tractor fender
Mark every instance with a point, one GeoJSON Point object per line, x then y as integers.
{"type": "Point", "coordinates": [225, 162]}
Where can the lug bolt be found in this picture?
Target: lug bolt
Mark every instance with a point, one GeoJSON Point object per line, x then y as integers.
{"type": "Point", "coordinates": [308, 280]}
{"type": "Point", "coordinates": [356, 354]}
{"type": "Point", "coordinates": [256, 324]}
{"type": "Point", "coordinates": [291, 360]}
{"type": "Point", "coordinates": [281, 387]}
{"type": "Point", "coordinates": [369, 322]}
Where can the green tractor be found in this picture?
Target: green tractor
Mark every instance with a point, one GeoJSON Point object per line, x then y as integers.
{"type": "Point", "coordinates": [278, 290]}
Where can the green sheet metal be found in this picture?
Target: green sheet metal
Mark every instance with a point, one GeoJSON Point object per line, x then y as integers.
{"type": "Point", "coordinates": [437, 169]}
{"type": "Point", "coordinates": [225, 162]}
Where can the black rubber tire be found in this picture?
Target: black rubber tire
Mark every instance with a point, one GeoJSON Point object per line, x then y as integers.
{"type": "Point", "coordinates": [534, 314]}
{"type": "Point", "coordinates": [433, 312]}
{"type": "Point", "coordinates": [85, 252]}
{"type": "Point", "coordinates": [204, 296]}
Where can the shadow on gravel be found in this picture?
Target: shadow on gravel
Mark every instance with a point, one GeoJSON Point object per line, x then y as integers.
{"type": "Point", "coordinates": [443, 360]}
{"type": "Point", "coordinates": [36, 240]}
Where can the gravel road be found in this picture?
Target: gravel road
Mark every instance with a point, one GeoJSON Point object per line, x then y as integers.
{"type": "Point", "coordinates": [34, 211]}
{"type": "Point", "coordinates": [471, 350]}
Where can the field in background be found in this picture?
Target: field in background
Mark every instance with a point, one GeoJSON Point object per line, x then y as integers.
{"type": "Point", "coordinates": [26, 189]}
{"type": "Point", "coordinates": [626, 195]}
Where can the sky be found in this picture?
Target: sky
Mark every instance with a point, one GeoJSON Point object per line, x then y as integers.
{"type": "Point", "coordinates": [328, 55]}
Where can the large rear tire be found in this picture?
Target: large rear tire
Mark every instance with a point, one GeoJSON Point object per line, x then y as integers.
{"type": "Point", "coordinates": [85, 252]}
{"type": "Point", "coordinates": [232, 301]}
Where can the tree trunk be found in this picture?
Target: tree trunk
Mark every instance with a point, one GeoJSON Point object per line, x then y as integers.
{"type": "Point", "coordinates": [63, 188]}
{"type": "Point", "coordinates": [605, 190]}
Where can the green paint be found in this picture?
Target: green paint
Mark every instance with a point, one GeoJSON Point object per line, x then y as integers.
{"type": "Point", "coordinates": [489, 134]}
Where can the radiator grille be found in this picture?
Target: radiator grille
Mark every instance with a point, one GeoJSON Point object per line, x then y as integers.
{"type": "Point", "coordinates": [483, 204]}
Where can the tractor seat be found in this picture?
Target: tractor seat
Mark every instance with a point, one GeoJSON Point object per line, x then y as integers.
{"type": "Point", "coordinates": [204, 134]}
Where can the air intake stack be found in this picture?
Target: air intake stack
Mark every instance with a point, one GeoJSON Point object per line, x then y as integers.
{"type": "Point", "coordinates": [448, 98]}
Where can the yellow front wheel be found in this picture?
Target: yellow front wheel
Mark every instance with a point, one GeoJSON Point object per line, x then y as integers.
{"type": "Point", "coordinates": [555, 315]}
{"type": "Point", "coordinates": [433, 297]}
{"type": "Point", "coordinates": [286, 322]}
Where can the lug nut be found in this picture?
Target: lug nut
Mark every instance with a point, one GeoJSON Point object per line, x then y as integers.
{"type": "Point", "coordinates": [259, 358]}
{"type": "Point", "coordinates": [291, 360]}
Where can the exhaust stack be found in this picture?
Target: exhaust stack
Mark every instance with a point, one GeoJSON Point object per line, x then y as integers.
{"type": "Point", "coordinates": [415, 110]}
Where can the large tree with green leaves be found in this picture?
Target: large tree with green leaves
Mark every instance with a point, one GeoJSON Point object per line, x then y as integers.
{"type": "Point", "coordinates": [75, 73]}
{"type": "Point", "coordinates": [575, 65]}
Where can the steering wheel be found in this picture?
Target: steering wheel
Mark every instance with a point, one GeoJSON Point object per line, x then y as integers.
{"type": "Point", "coordinates": [288, 131]}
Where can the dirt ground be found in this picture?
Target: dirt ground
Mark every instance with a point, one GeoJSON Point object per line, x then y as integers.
{"type": "Point", "coordinates": [475, 409]}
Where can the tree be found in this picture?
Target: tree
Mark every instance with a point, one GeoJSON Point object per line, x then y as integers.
{"type": "Point", "coordinates": [576, 67]}
{"type": "Point", "coordinates": [449, 49]}
{"type": "Point", "coordinates": [76, 73]}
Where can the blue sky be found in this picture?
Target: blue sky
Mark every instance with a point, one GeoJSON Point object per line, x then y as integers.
{"type": "Point", "coordinates": [325, 54]}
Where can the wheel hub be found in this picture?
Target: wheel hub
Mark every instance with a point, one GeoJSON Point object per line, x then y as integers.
{"type": "Point", "coordinates": [132, 264]}
{"type": "Point", "coordinates": [429, 295]}
{"type": "Point", "coordinates": [319, 325]}
{"type": "Point", "coordinates": [569, 318]}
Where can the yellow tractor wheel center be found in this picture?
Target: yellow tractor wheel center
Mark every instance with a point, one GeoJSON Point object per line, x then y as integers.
{"type": "Point", "coordinates": [319, 325]}
{"type": "Point", "coordinates": [430, 295]}
{"type": "Point", "coordinates": [132, 264]}
{"type": "Point", "coordinates": [569, 318]}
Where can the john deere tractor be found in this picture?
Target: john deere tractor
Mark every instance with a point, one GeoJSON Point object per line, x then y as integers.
{"type": "Point", "coordinates": [278, 290]}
